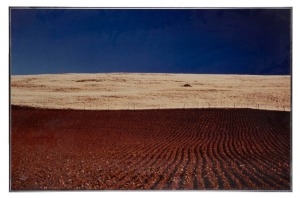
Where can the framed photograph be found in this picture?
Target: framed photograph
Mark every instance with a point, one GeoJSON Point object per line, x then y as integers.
{"type": "Point", "coordinates": [150, 98]}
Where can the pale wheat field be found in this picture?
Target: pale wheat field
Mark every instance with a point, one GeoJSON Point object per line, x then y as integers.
{"type": "Point", "coordinates": [150, 91]}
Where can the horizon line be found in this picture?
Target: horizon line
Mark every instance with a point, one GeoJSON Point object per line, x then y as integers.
{"type": "Point", "coordinates": [143, 73]}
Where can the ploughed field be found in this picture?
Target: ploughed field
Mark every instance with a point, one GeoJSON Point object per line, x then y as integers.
{"type": "Point", "coordinates": [235, 149]}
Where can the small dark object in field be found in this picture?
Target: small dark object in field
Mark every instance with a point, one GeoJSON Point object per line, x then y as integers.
{"type": "Point", "coordinates": [187, 85]}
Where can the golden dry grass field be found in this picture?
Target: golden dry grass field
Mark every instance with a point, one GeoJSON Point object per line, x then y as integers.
{"type": "Point", "coordinates": [150, 91]}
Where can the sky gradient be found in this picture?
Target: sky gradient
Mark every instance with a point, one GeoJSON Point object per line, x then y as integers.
{"type": "Point", "coordinates": [203, 41]}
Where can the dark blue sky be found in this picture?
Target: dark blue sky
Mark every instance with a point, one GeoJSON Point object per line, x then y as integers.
{"type": "Point", "coordinates": [218, 41]}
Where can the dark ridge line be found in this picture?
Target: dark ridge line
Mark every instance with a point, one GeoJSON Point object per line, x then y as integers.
{"type": "Point", "coordinates": [152, 187]}
{"type": "Point", "coordinates": [227, 179]}
{"type": "Point", "coordinates": [185, 141]}
{"type": "Point", "coordinates": [179, 135]}
{"type": "Point", "coordinates": [230, 178]}
{"type": "Point", "coordinates": [195, 182]}
{"type": "Point", "coordinates": [128, 156]}
{"type": "Point", "coordinates": [214, 177]}
{"type": "Point", "coordinates": [259, 157]}
{"type": "Point", "coordinates": [166, 155]}
{"type": "Point", "coordinates": [182, 176]}
{"type": "Point", "coordinates": [233, 151]}
{"type": "Point", "coordinates": [162, 176]}
{"type": "Point", "coordinates": [235, 177]}
{"type": "Point", "coordinates": [228, 155]}
{"type": "Point", "coordinates": [192, 162]}
{"type": "Point", "coordinates": [23, 107]}
{"type": "Point", "coordinates": [190, 166]}
{"type": "Point", "coordinates": [169, 183]}
{"type": "Point", "coordinates": [145, 162]}
{"type": "Point", "coordinates": [212, 159]}
{"type": "Point", "coordinates": [162, 149]}
{"type": "Point", "coordinates": [166, 169]}
{"type": "Point", "coordinates": [177, 171]}
{"type": "Point", "coordinates": [207, 182]}
{"type": "Point", "coordinates": [136, 166]}
{"type": "Point", "coordinates": [258, 177]}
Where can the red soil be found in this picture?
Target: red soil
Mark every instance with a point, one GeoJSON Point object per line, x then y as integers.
{"type": "Point", "coordinates": [150, 149]}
